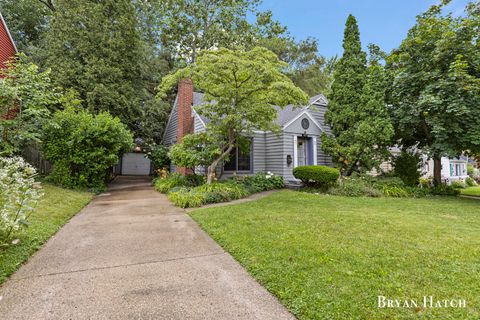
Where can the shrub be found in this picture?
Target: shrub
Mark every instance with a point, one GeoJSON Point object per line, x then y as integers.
{"type": "Point", "coordinates": [158, 154]}
{"type": "Point", "coordinates": [320, 176]}
{"type": "Point", "coordinates": [18, 196]}
{"type": "Point", "coordinates": [226, 191]}
{"type": "Point", "coordinates": [186, 198]}
{"type": "Point", "coordinates": [83, 147]}
{"type": "Point", "coordinates": [171, 181]}
{"type": "Point", "coordinates": [425, 182]}
{"type": "Point", "coordinates": [261, 182]}
{"type": "Point", "coordinates": [406, 167]}
{"type": "Point", "coordinates": [470, 170]}
{"type": "Point", "coordinates": [469, 181]}
{"type": "Point", "coordinates": [444, 190]}
{"type": "Point", "coordinates": [458, 184]}
{"type": "Point", "coordinates": [355, 188]}
{"type": "Point", "coordinates": [394, 191]}
{"type": "Point", "coordinates": [381, 182]}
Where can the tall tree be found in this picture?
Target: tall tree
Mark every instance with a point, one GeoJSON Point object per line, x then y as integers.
{"type": "Point", "coordinates": [95, 48]}
{"type": "Point", "coordinates": [241, 89]}
{"type": "Point", "coordinates": [27, 21]}
{"type": "Point", "coordinates": [190, 26]}
{"type": "Point", "coordinates": [435, 84]}
{"type": "Point", "coordinates": [357, 114]}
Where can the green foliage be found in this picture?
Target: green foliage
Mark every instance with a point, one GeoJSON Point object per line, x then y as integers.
{"type": "Point", "coordinates": [25, 86]}
{"type": "Point", "coordinates": [320, 176]}
{"type": "Point", "coordinates": [83, 147]}
{"type": "Point", "coordinates": [470, 170]}
{"type": "Point", "coordinates": [159, 156]}
{"type": "Point", "coordinates": [395, 192]}
{"type": "Point", "coordinates": [241, 90]}
{"type": "Point", "coordinates": [18, 196]}
{"type": "Point", "coordinates": [355, 188]}
{"type": "Point", "coordinates": [198, 149]}
{"type": "Point", "coordinates": [444, 190]}
{"type": "Point", "coordinates": [357, 115]}
{"type": "Point", "coordinates": [435, 84]}
{"type": "Point", "coordinates": [425, 182]}
{"type": "Point", "coordinates": [175, 180]}
{"type": "Point", "coordinates": [470, 182]}
{"type": "Point", "coordinates": [107, 76]}
{"type": "Point", "coordinates": [406, 166]}
{"type": "Point", "coordinates": [186, 198]}
{"type": "Point", "coordinates": [458, 184]}
{"type": "Point", "coordinates": [261, 182]}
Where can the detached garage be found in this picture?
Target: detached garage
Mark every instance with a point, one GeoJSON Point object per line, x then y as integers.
{"type": "Point", "coordinates": [135, 164]}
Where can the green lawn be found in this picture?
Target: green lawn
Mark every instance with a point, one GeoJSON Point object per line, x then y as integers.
{"type": "Point", "coordinates": [328, 257]}
{"type": "Point", "coordinates": [472, 191]}
{"type": "Point", "coordinates": [54, 210]}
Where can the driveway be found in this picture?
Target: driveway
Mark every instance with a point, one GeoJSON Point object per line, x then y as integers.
{"type": "Point", "coordinates": [130, 254]}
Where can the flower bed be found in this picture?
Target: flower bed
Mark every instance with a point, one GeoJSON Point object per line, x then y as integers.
{"type": "Point", "coordinates": [191, 191]}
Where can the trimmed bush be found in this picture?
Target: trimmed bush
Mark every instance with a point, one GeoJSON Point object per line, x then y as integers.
{"type": "Point", "coordinates": [319, 176]}
{"type": "Point", "coordinates": [406, 167]}
{"type": "Point", "coordinates": [83, 147]}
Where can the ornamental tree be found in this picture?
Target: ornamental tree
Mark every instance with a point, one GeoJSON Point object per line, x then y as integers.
{"type": "Point", "coordinates": [241, 90]}
{"type": "Point", "coordinates": [435, 85]}
{"type": "Point", "coordinates": [357, 114]}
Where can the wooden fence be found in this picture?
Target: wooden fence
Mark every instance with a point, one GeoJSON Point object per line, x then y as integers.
{"type": "Point", "coordinates": [31, 153]}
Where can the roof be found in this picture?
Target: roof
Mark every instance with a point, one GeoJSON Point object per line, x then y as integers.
{"type": "Point", "coordinates": [284, 114]}
{"type": "Point", "coordinates": [7, 45]}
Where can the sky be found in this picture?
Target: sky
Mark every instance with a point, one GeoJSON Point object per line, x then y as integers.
{"type": "Point", "coordinates": [382, 22]}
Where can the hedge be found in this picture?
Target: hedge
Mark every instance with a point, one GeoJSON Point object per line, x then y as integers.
{"type": "Point", "coordinates": [321, 176]}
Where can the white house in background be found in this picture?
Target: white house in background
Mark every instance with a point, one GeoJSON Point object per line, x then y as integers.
{"type": "Point", "coordinates": [452, 168]}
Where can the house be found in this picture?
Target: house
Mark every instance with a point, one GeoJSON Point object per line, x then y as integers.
{"type": "Point", "coordinates": [8, 50]}
{"type": "Point", "coordinates": [452, 168]}
{"type": "Point", "coordinates": [298, 143]}
{"type": "Point", "coordinates": [7, 46]}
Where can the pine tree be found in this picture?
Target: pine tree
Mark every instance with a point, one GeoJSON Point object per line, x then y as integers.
{"type": "Point", "coordinates": [356, 114]}
{"type": "Point", "coordinates": [94, 47]}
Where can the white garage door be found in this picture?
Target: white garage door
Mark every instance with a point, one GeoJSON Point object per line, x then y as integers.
{"type": "Point", "coordinates": [135, 164]}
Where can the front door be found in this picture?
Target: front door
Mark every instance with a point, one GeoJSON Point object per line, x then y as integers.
{"type": "Point", "coordinates": [302, 151]}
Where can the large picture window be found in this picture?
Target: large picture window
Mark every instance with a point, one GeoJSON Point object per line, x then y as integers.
{"type": "Point", "coordinates": [240, 159]}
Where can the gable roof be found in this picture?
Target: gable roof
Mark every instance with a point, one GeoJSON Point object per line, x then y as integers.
{"type": "Point", "coordinates": [285, 115]}
{"type": "Point", "coordinates": [7, 45]}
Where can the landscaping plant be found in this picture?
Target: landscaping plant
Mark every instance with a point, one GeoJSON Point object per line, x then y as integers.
{"type": "Point", "coordinates": [83, 147]}
{"type": "Point", "coordinates": [317, 176]}
{"type": "Point", "coordinates": [406, 167]}
{"type": "Point", "coordinates": [18, 196]}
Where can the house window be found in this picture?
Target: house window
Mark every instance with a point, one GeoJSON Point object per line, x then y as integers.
{"type": "Point", "coordinates": [240, 159]}
{"type": "Point", "coordinates": [456, 169]}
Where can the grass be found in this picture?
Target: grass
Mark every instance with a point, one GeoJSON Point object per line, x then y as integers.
{"type": "Point", "coordinates": [54, 210]}
{"type": "Point", "coordinates": [471, 191]}
{"type": "Point", "coordinates": [329, 257]}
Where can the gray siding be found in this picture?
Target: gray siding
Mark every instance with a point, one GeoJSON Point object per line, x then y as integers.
{"type": "Point", "coordinates": [197, 123]}
{"type": "Point", "coordinates": [170, 136]}
{"type": "Point", "coordinates": [275, 155]}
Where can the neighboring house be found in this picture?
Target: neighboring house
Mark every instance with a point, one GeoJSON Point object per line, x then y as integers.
{"type": "Point", "coordinates": [7, 52]}
{"type": "Point", "coordinates": [7, 46]}
{"type": "Point", "coordinates": [297, 144]}
{"type": "Point", "coordinates": [452, 168]}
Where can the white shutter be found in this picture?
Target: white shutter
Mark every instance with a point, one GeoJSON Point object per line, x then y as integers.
{"type": "Point", "coordinates": [314, 149]}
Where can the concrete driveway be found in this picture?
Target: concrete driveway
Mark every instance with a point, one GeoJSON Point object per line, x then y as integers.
{"type": "Point", "coordinates": [130, 254]}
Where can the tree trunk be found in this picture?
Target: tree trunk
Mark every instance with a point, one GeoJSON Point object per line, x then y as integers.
{"type": "Point", "coordinates": [212, 168]}
{"type": "Point", "coordinates": [437, 170]}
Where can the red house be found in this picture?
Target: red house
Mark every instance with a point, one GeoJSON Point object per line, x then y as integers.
{"type": "Point", "coordinates": [7, 52]}
{"type": "Point", "coordinates": [7, 46]}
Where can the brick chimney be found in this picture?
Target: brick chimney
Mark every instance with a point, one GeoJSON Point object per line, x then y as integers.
{"type": "Point", "coordinates": [184, 114]}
